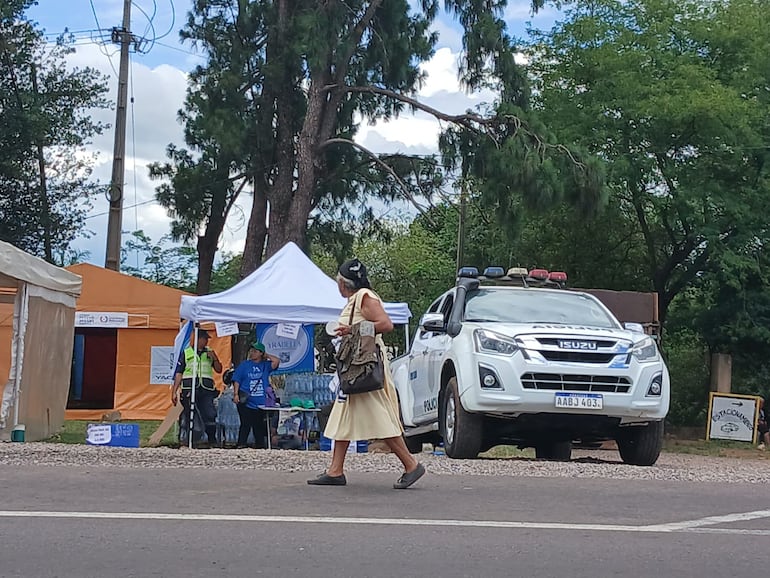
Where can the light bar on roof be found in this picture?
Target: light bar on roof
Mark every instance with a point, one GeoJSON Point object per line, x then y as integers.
{"type": "Point", "coordinates": [539, 274]}
{"type": "Point", "coordinates": [517, 272]}
{"type": "Point", "coordinates": [471, 272]}
{"type": "Point", "coordinates": [494, 272]}
{"type": "Point", "coordinates": [558, 276]}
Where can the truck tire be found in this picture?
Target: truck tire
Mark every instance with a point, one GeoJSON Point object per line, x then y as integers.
{"type": "Point", "coordinates": [556, 451]}
{"type": "Point", "coordinates": [641, 445]}
{"type": "Point", "coordinates": [462, 431]}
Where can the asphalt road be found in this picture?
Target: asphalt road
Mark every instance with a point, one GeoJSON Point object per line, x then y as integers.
{"type": "Point", "coordinates": [62, 521]}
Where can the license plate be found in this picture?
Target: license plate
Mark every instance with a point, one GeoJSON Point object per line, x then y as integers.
{"type": "Point", "coordinates": [579, 400]}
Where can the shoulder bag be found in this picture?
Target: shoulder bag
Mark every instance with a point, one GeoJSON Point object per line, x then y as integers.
{"type": "Point", "coordinates": [359, 361]}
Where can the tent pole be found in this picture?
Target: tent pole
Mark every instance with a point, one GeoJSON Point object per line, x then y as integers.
{"type": "Point", "coordinates": [20, 334]}
{"type": "Point", "coordinates": [191, 423]}
{"type": "Point", "coordinates": [406, 334]}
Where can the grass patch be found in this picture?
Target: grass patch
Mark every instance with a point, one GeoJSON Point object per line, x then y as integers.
{"type": "Point", "coordinates": [74, 432]}
{"type": "Point", "coordinates": [715, 448]}
{"type": "Point", "coordinates": [498, 452]}
{"type": "Point", "coordinates": [719, 448]}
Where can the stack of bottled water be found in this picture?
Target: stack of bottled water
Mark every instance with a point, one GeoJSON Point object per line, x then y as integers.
{"type": "Point", "coordinates": [307, 387]}
{"type": "Point", "coordinates": [228, 421]}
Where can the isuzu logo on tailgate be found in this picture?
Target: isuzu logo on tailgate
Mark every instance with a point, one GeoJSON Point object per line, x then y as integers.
{"type": "Point", "coordinates": [576, 344]}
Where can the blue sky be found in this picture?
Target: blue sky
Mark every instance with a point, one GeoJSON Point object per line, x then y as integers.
{"type": "Point", "coordinates": [159, 82]}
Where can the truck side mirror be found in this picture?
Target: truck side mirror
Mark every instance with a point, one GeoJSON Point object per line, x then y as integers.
{"type": "Point", "coordinates": [433, 322]}
{"type": "Point", "coordinates": [634, 327]}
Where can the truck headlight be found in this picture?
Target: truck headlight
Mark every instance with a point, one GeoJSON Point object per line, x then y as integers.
{"type": "Point", "coordinates": [645, 350]}
{"type": "Point", "coordinates": [490, 342]}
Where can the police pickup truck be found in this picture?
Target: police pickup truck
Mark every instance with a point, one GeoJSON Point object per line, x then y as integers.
{"type": "Point", "coordinates": [516, 358]}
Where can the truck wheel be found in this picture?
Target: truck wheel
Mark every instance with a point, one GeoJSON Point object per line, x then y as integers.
{"type": "Point", "coordinates": [556, 451]}
{"type": "Point", "coordinates": [641, 445]}
{"type": "Point", "coordinates": [462, 431]}
{"type": "Point", "coordinates": [414, 444]}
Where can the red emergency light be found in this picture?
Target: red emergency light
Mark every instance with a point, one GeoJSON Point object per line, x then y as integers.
{"type": "Point", "coordinates": [558, 276]}
{"type": "Point", "coordinates": [539, 274]}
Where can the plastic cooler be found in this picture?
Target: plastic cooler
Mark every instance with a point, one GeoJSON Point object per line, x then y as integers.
{"type": "Point", "coordinates": [357, 447]}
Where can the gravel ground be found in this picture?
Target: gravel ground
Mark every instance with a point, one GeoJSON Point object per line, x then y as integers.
{"type": "Point", "coordinates": [585, 464]}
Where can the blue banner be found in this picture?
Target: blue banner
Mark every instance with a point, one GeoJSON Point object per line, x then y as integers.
{"type": "Point", "coordinates": [296, 353]}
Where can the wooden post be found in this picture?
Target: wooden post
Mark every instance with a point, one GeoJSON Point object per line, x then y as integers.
{"type": "Point", "coordinates": [721, 372]}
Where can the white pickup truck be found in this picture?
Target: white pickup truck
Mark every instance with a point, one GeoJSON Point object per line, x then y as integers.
{"type": "Point", "coordinates": [506, 359]}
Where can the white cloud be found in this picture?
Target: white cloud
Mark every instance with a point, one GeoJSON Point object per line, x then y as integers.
{"type": "Point", "coordinates": [441, 71]}
{"type": "Point", "coordinates": [159, 93]}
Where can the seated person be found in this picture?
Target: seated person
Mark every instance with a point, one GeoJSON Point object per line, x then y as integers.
{"type": "Point", "coordinates": [290, 434]}
{"type": "Point", "coordinates": [763, 429]}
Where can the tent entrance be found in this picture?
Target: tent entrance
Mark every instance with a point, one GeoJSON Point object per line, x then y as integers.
{"type": "Point", "coordinates": [94, 362]}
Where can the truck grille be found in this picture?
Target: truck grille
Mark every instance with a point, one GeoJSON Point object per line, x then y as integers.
{"type": "Point", "coordinates": [577, 356]}
{"type": "Point", "coordinates": [555, 341]}
{"type": "Point", "coordinates": [569, 382]}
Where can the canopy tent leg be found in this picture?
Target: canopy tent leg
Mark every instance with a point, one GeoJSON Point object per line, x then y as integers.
{"type": "Point", "coordinates": [406, 335]}
{"type": "Point", "coordinates": [191, 423]}
{"type": "Point", "coordinates": [23, 317]}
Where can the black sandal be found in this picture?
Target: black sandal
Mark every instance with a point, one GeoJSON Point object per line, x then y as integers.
{"type": "Point", "coordinates": [409, 478]}
{"type": "Point", "coordinates": [326, 480]}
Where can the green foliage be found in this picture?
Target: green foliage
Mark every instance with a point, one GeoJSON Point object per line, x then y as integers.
{"type": "Point", "coordinates": [160, 263]}
{"type": "Point", "coordinates": [74, 432]}
{"type": "Point", "coordinates": [286, 85]}
{"type": "Point", "coordinates": [45, 115]}
{"type": "Point", "coordinates": [672, 96]}
{"type": "Point", "coordinates": [687, 359]}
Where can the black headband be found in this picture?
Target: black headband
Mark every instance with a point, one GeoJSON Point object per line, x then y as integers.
{"type": "Point", "coordinates": [355, 271]}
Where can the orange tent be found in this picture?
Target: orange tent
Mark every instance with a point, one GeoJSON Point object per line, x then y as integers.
{"type": "Point", "coordinates": [122, 325]}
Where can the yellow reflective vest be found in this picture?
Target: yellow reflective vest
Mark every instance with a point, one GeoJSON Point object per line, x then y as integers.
{"type": "Point", "coordinates": [205, 368]}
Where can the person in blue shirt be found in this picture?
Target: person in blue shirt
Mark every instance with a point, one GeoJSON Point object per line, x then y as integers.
{"type": "Point", "coordinates": [251, 388]}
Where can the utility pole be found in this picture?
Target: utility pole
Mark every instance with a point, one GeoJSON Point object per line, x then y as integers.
{"type": "Point", "coordinates": [45, 217]}
{"type": "Point", "coordinates": [123, 37]}
{"type": "Point", "coordinates": [461, 224]}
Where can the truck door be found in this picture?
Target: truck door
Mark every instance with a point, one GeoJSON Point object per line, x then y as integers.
{"type": "Point", "coordinates": [419, 368]}
{"type": "Point", "coordinates": [438, 345]}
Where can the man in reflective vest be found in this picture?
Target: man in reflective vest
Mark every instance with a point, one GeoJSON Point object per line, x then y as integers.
{"type": "Point", "coordinates": [205, 393]}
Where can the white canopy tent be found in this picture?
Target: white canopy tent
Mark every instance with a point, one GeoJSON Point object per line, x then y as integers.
{"type": "Point", "coordinates": [287, 288]}
{"type": "Point", "coordinates": [43, 298]}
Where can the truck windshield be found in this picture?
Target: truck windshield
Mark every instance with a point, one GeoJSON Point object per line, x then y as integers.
{"type": "Point", "coordinates": [535, 306]}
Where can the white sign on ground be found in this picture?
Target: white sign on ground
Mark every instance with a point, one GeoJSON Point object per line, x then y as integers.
{"type": "Point", "coordinates": [732, 417]}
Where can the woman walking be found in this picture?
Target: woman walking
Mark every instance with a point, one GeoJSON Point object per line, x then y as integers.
{"type": "Point", "coordinates": [370, 415]}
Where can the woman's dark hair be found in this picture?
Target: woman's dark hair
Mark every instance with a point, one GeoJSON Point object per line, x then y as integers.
{"type": "Point", "coordinates": [355, 271]}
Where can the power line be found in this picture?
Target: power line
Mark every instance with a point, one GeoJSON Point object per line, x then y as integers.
{"type": "Point", "coordinates": [152, 18]}
{"type": "Point", "coordinates": [133, 147]}
{"type": "Point", "coordinates": [173, 22]}
{"type": "Point", "coordinates": [96, 18]}
{"type": "Point", "coordinates": [99, 28]}
{"type": "Point", "coordinates": [150, 26]}
{"type": "Point", "coordinates": [182, 50]}
{"type": "Point", "coordinates": [140, 204]}
{"type": "Point", "coordinates": [72, 32]}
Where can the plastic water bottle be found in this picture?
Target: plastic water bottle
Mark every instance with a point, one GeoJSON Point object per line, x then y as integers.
{"type": "Point", "coordinates": [439, 450]}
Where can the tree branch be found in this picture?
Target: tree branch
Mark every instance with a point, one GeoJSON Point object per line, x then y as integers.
{"type": "Point", "coordinates": [465, 120]}
{"type": "Point", "coordinates": [405, 188]}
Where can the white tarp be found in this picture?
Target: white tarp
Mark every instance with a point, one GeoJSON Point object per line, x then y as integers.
{"type": "Point", "coordinates": [17, 264]}
{"type": "Point", "coordinates": [35, 279]}
{"type": "Point", "coordinates": [288, 287]}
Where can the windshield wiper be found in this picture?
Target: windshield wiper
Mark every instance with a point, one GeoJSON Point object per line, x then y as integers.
{"type": "Point", "coordinates": [473, 320]}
